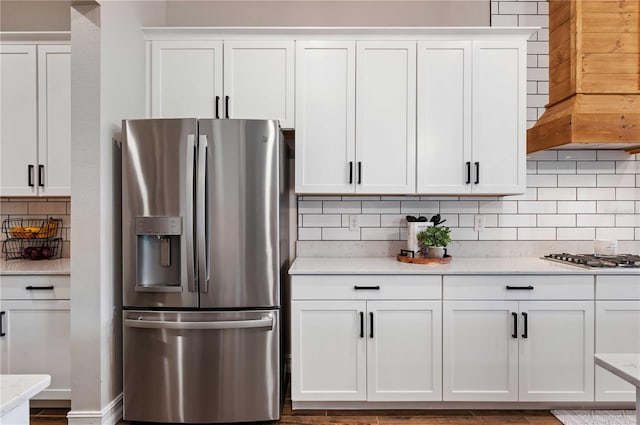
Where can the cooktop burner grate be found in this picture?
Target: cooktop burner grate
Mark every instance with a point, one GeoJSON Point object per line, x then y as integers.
{"type": "Point", "coordinates": [596, 261]}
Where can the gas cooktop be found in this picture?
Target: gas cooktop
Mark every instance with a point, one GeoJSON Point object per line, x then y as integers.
{"type": "Point", "coordinates": [591, 261]}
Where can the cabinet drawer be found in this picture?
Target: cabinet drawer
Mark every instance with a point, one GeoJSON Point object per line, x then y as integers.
{"type": "Point", "coordinates": [35, 287]}
{"type": "Point", "coordinates": [370, 287]}
{"type": "Point", "coordinates": [523, 287]}
{"type": "Point", "coordinates": [618, 287]}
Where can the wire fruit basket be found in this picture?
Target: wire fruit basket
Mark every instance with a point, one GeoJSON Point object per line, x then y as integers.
{"type": "Point", "coordinates": [32, 239]}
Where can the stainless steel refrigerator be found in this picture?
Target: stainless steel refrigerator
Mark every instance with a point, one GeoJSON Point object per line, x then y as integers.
{"type": "Point", "coordinates": [205, 243]}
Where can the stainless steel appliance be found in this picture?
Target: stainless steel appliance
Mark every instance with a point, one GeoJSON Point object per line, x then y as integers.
{"type": "Point", "coordinates": [596, 261]}
{"type": "Point", "coordinates": [205, 242]}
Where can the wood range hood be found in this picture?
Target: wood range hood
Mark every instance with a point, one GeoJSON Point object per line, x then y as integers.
{"type": "Point", "coordinates": [594, 77]}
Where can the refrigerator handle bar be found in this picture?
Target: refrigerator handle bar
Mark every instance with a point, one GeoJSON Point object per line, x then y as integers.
{"type": "Point", "coordinates": [191, 260]}
{"type": "Point", "coordinates": [265, 322]}
{"type": "Point", "coordinates": [203, 275]}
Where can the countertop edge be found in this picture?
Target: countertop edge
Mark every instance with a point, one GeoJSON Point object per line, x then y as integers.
{"type": "Point", "coordinates": [21, 392]}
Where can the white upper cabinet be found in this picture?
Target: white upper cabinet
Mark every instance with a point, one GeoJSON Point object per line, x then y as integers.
{"type": "Point", "coordinates": [471, 117]}
{"type": "Point", "coordinates": [444, 117]}
{"type": "Point", "coordinates": [325, 116]}
{"type": "Point", "coordinates": [499, 117]}
{"type": "Point", "coordinates": [54, 120]}
{"type": "Point", "coordinates": [258, 80]}
{"type": "Point", "coordinates": [18, 120]}
{"type": "Point", "coordinates": [385, 117]}
{"type": "Point", "coordinates": [35, 120]}
{"type": "Point", "coordinates": [186, 79]}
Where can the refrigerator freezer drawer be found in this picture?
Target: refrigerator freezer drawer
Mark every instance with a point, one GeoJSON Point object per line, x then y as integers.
{"type": "Point", "coordinates": [201, 367]}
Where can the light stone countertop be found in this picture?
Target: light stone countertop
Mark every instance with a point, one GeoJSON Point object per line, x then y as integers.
{"type": "Point", "coordinates": [39, 267]}
{"type": "Point", "coordinates": [623, 365]}
{"type": "Point", "coordinates": [470, 265]}
{"type": "Point", "coordinates": [17, 389]}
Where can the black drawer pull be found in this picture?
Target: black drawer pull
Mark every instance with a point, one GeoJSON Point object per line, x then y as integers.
{"type": "Point", "coordinates": [226, 106]}
{"type": "Point", "coordinates": [361, 324]}
{"type": "Point", "coordinates": [365, 288]}
{"type": "Point", "coordinates": [515, 325]}
{"type": "Point", "coordinates": [30, 175]}
{"type": "Point", "coordinates": [359, 172]}
{"type": "Point", "coordinates": [526, 288]}
{"type": "Point", "coordinates": [217, 107]}
{"type": "Point", "coordinates": [41, 175]}
{"type": "Point", "coordinates": [350, 172]}
{"type": "Point", "coordinates": [477, 173]}
{"type": "Point", "coordinates": [468, 172]}
{"type": "Point", "coordinates": [371, 329]}
{"type": "Point", "coordinates": [525, 333]}
{"type": "Point", "coordinates": [2, 333]}
{"type": "Point", "coordinates": [39, 288]}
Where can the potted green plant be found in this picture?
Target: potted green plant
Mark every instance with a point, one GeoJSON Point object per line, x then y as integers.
{"type": "Point", "coordinates": [434, 240]}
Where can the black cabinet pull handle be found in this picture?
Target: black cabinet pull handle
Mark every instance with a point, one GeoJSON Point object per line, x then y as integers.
{"type": "Point", "coordinates": [477, 164]}
{"type": "Point", "coordinates": [39, 288]}
{"type": "Point", "coordinates": [515, 325]}
{"type": "Point", "coordinates": [468, 172]}
{"type": "Point", "coordinates": [217, 107]}
{"type": "Point", "coordinates": [350, 172]}
{"type": "Point", "coordinates": [371, 328]}
{"type": "Point", "coordinates": [373, 288]}
{"type": "Point", "coordinates": [30, 175]}
{"type": "Point", "coordinates": [359, 172]}
{"type": "Point", "coordinates": [525, 333]}
{"type": "Point", "coordinates": [226, 106]}
{"type": "Point", "coordinates": [41, 175]}
{"type": "Point", "coordinates": [361, 324]}
{"type": "Point", "coordinates": [2, 333]}
{"type": "Point", "coordinates": [526, 288]}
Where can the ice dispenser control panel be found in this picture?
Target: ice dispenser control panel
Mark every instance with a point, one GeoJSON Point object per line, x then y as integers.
{"type": "Point", "coordinates": [161, 226]}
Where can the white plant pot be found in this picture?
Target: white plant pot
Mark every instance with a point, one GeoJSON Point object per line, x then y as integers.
{"type": "Point", "coordinates": [435, 252]}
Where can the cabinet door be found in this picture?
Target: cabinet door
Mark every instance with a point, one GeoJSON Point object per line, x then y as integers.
{"type": "Point", "coordinates": [386, 117]}
{"type": "Point", "coordinates": [444, 117]}
{"type": "Point", "coordinates": [36, 341]}
{"type": "Point", "coordinates": [404, 351]}
{"type": "Point", "coordinates": [617, 331]}
{"type": "Point", "coordinates": [186, 79]}
{"type": "Point", "coordinates": [18, 121]}
{"type": "Point", "coordinates": [325, 116]}
{"type": "Point", "coordinates": [54, 120]}
{"type": "Point", "coordinates": [258, 80]}
{"type": "Point", "coordinates": [328, 351]}
{"type": "Point", "coordinates": [556, 357]}
{"type": "Point", "coordinates": [480, 352]}
{"type": "Point", "coordinates": [499, 117]}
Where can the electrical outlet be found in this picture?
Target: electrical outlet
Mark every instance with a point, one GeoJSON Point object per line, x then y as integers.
{"type": "Point", "coordinates": [478, 222]}
{"type": "Point", "coordinates": [354, 222]}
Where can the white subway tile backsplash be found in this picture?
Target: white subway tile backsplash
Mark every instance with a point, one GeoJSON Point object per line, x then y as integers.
{"type": "Point", "coordinates": [360, 198]}
{"type": "Point", "coordinates": [517, 220]}
{"type": "Point", "coordinates": [498, 234]}
{"type": "Point", "coordinates": [543, 8]}
{"type": "Point", "coordinates": [464, 234]}
{"type": "Point", "coordinates": [309, 234]}
{"type": "Point", "coordinates": [504, 21]}
{"type": "Point", "coordinates": [558, 194]}
{"type": "Point", "coordinates": [517, 8]}
{"type": "Point", "coordinates": [556, 220]}
{"type": "Point", "coordinates": [615, 207]}
{"type": "Point", "coordinates": [543, 156]}
{"type": "Point", "coordinates": [466, 220]}
{"type": "Point", "coordinates": [414, 207]}
{"type": "Point", "coordinates": [380, 234]}
{"type": "Point", "coordinates": [364, 220]}
{"type": "Point", "coordinates": [381, 207]}
{"type": "Point", "coordinates": [502, 207]}
{"type": "Point", "coordinates": [532, 167]}
{"type": "Point", "coordinates": [531, 194]}
{"type": "Point", "coordinates": [615, 233]}
{"type": "Point", "coordinates": [319, 220]}
{"type": "Point", "coordinates": [596, 167]}
{"type": "Point", "coordinates": [537, 207]}
{"type": "Point", "coordinates": [628, 220]}
{"type": "Point", "coordinates": [393, 220]}
{"type": "Point", "coordinates": [309, 207]}
{"type": "Point", "coordinates": [577, 180]}
{"type": "Point", "coordinates": [596, 220]}
{"type": "Point", "coordinates": [536, 233]}
{"type": "Point", "coordinates": [628, 193]}
{"type": "Point", "coordinates": [341, 207]}
{"type": "Point", "coordinates": [463, 207]}
{"type": "Point", "coordinates": [595, 194]}
{"type": "Point", "coordinates": [534, 21]}
{"type": "Point", "coordinates": [617, 180]}
{"type": "Point", "coordinates": [575, 234]}
{"type": "Point", "coordinates": [627, 167]}
{"type": "Point", "coordinates": [556, 167]}
{"type": "Point", "coordinates": [611, 155]}
{"type": "Point", "coordinates": [576, 155]}
{"type": "Point", "coordinates": [576, 207]}
{"type": "Point", "coordinates": [340, 234]}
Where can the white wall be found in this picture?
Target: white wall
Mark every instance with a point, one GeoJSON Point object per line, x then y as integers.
{"type": "Point", "coordinates": [329, 13]}
{"type": "Point", "coordinates": [107, 86]}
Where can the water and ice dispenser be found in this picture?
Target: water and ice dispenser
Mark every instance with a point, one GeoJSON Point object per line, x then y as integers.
{"type": "Point", "coordinates": [158, 252]}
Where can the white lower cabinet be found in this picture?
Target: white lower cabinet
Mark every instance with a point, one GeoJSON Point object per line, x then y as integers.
{"type": "Point", "coordinates": [366, 350]}
{"type": "Point", "coordinates": [617, 331]}
{"type": "Point", "coordinates": [509, 349]}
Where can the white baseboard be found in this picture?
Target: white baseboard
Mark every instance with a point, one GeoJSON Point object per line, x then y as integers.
{"type": "Point", "coordinates": [111, 414]}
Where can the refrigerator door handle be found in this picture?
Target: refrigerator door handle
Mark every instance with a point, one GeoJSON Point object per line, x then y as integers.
{"type": "Point", "coordinates": [265, 322]}
{"type": "Point", "coordinates": [201, 214]}
{"type": "Point", "coordinates": [191, 259]}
